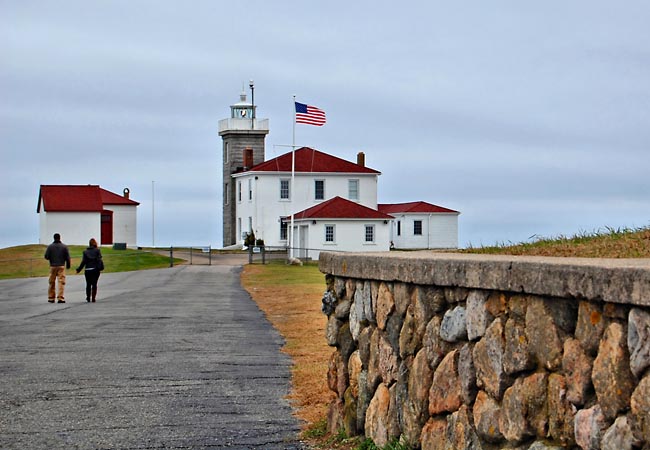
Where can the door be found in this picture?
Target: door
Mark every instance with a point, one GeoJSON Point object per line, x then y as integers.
{"type": "Point", "coordinates": [304, 241]}
{"type": "Point", "coordinates": [107, 228]}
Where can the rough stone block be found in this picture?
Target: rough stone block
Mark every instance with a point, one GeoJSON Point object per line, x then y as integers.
{"type": "Point", "coordinates": [619, 436]}
{"type": "Point", "coordinates": [486, 417]}
{"type": "Point", "coordinates": [402, 294]}
{"type": "Point", "coordinates": [335, 416]}
{"type": "Point", "coordinates": [388, 361]}
{"type": "Point", "coordinates": [497, 303]}
{"type": "Point", "coordinates": [363, 345]}
{"type": "Point", "coordinates": [349, 413]}
{"type": "Point", "coordinates": [409, 339]}
{"type": "Point", "coordinates": [517, 306]}
{"type": "Point", "coordinates": [344, 340]}
{"type": "Point", "coordinates": [460, 431]}
{"type": "Point", "coordinates": [478, 317]}
{"type": "Point", "coordinates": [445, 394]}
{"type": "Point", "coordinates": [381, 418]}
{"type": "Point", "coordinates": [517, 357]}
{"type": "Point", "coordinates": [640, 411]}
{"type": "Point", "coordinates": [332, 330]}
{"type": "Point", "coordinates": [350, 288]}
{"type": "Point", "coordinates": [456, 294]}
{"type": "Point", "coordinates": [488, 360]}
{"type": "Point", "coordinates": [611, 375]}
{"type": "Point", "coordinates": [433, 344]}
{"type": "Point", "coordinates": [433, 297]}
{"type": "Point", "coordinates": [385, 305]}
{"type": "Point", "coordinates": [454, 325]}
{"type": "Point", "coordinates": [434, 434]}
{"type": "Point", "coordinates": [467, 374]}
{"type": "Point", "coordinates": [342, 310]}
{"type": "Point", "coordinates": [543, 332]}
{"type": "Point", "coordinates": [354, 369]}
{"type": "Point", "coordinates": [638, 340]}
{"type": "Point", "coordinates": [524, 410]}
{"type": "Point", "coordinates": [561, 412]}
{"type": "Point", "coordinates": [577, 367]}
{"type": "Point", "coordinates": [590, 327]}
{"type": "Point", "coordinates": [590, 425]}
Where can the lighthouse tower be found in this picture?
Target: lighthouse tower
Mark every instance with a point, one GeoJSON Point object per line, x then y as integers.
{"type": "Point", "coordinates": [243, 137]}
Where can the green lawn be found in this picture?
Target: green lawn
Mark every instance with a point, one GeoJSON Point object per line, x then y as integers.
{"type": "Point", "coordinates": [27, 260]}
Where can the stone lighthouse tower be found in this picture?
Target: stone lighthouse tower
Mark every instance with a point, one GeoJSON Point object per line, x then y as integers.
{"type": "Point", "coordinates": [243, 137]}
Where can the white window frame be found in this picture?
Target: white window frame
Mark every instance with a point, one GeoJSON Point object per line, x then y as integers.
{"type": "Point", "coordinates": [288, 189]}
{"type": "Point", "coordinates": [284, 230]}
{"type": "Point", "coordinates": [414, 227]}
{"type": "Point", "coordinates": [250, 189]}
{"type": "Point", "coordinates": [333, 228]}
{"type": "Point", "coordinates": [322, 197]}
{"type": "Point", "coordinates": [239, 191]}
{"type": "Point", "coordinates": [367, 227]}
{"type": "Point", "coordinates": [353, 182]}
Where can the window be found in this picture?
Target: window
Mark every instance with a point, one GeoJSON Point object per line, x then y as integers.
{"type": "Point", "coordinates": [250, 224]}
{"type": "Point", "coordinates": [329, 233]}
{"type": "Point", "coordinates": [226, 193]}
{"type": "Point", "coordinates": [417, 227]}
{"type": "Point", "coordinates": [239, 191]}
{"type": "Point", "coordinates": [319, 189]}
{"type": "Point", "coordinates": [225, 152]}
{"type": "Point", "coordinates": [399, 227]}
{"type": "Point", "coordinates": [370, 233]}
{"type": "Point", "coordinates": [284, 190]}
{"type": "Point", "coordinates": [250, 189]}
{"type": "Point", "coordinates": [353, 189]}
{"type": "Point", "coordinates": [283, 229]}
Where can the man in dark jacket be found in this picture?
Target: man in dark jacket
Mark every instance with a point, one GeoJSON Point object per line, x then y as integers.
{"type": "Point", "coordinates": [59, 257]}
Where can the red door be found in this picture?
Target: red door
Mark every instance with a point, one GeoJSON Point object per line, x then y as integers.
{"type": "Point", "coordinates": [107, 228]}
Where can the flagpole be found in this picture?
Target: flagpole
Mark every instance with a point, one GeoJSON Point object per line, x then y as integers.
{"type": "Point", "coordinates": [293, 170]}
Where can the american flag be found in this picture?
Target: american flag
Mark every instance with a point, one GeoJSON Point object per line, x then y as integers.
{"type": "Point", "coordinates": [309, 115]}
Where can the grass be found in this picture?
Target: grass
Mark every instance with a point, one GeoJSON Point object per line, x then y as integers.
{"type": "Point", "coordinates": [604, 243]}
{"type": "Point", "coordinates": [27, 260]}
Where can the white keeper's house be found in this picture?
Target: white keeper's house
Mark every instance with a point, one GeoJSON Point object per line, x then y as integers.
{"type": "Point", "coordinates": [81, 212]}
{"type": "Point", "coordinates": [333, 201]}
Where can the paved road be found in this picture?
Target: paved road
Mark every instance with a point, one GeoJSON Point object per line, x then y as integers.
{"type": "Point", "coordinates": [169, 358]}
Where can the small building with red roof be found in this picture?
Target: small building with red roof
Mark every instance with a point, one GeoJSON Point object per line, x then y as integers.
{"type": "Point", "coordinates": [422, 225]}
{"type": "Point", "coordinates": [339, 224]}
{"type": "Point", "coordinates": [81, 212]}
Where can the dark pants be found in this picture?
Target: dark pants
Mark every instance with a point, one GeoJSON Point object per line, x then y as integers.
{"type": "Point", "coordinates": [91, 283]}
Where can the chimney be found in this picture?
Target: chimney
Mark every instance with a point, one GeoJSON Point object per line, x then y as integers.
{"type": "Point", "coordinates": [361, 159]}
{"type": "Point", "coordinates": [248, 158]}
{"type": "Point", "coordinates": [126, 193]}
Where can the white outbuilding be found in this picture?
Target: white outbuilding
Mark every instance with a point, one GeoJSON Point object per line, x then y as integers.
{"type": "Point", "coordinates": [81, 212]}
{"type": "Point", "coordinates": [422, 225]}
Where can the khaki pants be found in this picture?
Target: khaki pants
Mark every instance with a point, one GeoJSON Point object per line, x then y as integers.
{"type": "Point", "coordinates": [56, 272]}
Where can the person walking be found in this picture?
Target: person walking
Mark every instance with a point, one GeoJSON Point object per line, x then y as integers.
{"type": "Point", "coordinates": [59, 257]}
{"type": "Point", "coordinates": [94, 264]}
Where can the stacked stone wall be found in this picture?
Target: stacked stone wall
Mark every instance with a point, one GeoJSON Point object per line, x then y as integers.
{"type": "Point", "coordinates": [471, 365]}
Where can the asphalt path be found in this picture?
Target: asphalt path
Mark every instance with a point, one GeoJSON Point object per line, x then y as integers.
{"type": "Point", "coordinates": [165, 359]}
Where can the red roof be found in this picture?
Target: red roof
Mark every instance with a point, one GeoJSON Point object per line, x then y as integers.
{"type": "Point", "coordinates": [340, 208]}
{"type": "Point", "coordinates": [412, 207]}
{"type": "Point", "coordinates": [84, 198]}
{"type": "Point", "coordinates": [309, 160]}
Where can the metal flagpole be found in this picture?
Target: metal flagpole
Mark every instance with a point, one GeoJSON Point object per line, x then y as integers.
{"type": "Point", "coordinates": [293, 170]}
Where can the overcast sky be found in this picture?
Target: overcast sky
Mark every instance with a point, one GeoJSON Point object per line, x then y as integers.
{"type": "Point", "coordinates": [530, 118]}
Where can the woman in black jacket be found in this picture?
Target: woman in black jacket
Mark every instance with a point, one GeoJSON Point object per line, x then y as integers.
{"type": "Point", "coordinates": [92, 261]}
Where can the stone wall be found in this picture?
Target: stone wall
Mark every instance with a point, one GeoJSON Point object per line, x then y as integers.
{"type": "Point", "coordinates": [451, 351]}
